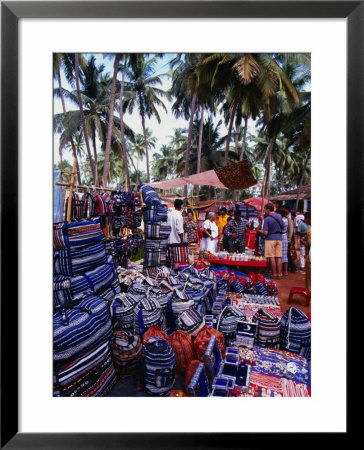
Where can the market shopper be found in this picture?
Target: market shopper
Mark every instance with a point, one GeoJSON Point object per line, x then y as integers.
{"type": "Point", "coordinates": [307, 243]}
{"type": "Point", "coordinates": [222, 221]}
{"type": "Point", "coordinates": [210, 233]}
{"type": "Point", "coordinates": [302, 229]}
{"type": "Point", "coordinates": [190, 228]}
{"type": "Point", "coordinates": [272, 229]}
{"type": "Point", "coordinates": [282, 212]}
{"type": "Point", "coordinates": [290, 238]}
{"type": "Point", "coordinates": [235, 232]}
{"type": "Point", "coordinates": [259, 238]}
{"type": "Point", "coordinates": [175, 221]}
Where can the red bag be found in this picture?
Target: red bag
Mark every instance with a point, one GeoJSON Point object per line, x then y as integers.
{"type": "Point", "coordinates": [181, 342]}
{"type": "Point", "coordinates": [191, 369]}
{"type": "Point", "coordinates": [154, 332]}
{"type": "Point", "coordinates": [203, 338]}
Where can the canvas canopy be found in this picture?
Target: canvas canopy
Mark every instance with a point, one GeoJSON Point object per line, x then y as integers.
{"type": "Point", "coordinates": [233, 176]}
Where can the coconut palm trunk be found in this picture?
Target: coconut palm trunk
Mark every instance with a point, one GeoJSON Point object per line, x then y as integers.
{"type": "Point", "coordinates": [301, 179]}
{"type": "Point", "coordinates": [95, 156]}
{"type": "Point", "coordinates": [232, 116]}
{"type": "Point", "coordinates": [189, 140]}
{"type": "Point", "coordinates": [122, 129]}
{"type": "Point", "coordinates": [199, 150]}
{"type": "Point", "coordinates": [72, 143]}
{"type": "Point", "coordinates": [83, 122]}
{"type": "Point", "coordinates": [111, 121]}
{"type": "Point", "coordinates": [268, 167]}
{"type": "Point", "coordinates": [146, 147]}
{"type": "Point", "coordinates": [243, 146]}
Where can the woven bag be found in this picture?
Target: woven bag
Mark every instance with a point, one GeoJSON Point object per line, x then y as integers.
{"type": "Point", "coordinates": [295, 334]}
{"type": "Point", "coordinates": [268, 332]}
{"type": "Point", "coordinates": [228, 321]}
{"type": "Point", "coordinates": [148, 313]}
{"type": "Point", "coordinates": [77, 234]}
{"type": "Point", "coordinates": [127, 353]}
{"type": "Point", "coordinates": [178, 253]}
{"type": "Point", "coordinates": [123, 311]}
{"type": "Point", "coordinates": [181, 342]}
{"type": "Point", "coordinates": [90, 374]}
{"type": "Point", "coordinates": [159, 367]}
{"type": "Point", "coordinates": [203, 338]}
{"type": "Point", "coordinates": [76, 329]}
{"type": "Point", "coordinates": [190, 321]}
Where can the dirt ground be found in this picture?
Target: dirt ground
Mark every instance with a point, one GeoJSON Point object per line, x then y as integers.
{"type": "Point", "coordinates": [284, 286]}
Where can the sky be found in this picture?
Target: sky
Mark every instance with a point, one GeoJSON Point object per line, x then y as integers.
{"type": "Point", "coordinates": [160, 130]}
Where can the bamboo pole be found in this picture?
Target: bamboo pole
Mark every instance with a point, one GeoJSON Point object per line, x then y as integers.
{"type": "Point", "coordinates": [84, 186]}
{"type": "Point", "coordinates": [71, 190]}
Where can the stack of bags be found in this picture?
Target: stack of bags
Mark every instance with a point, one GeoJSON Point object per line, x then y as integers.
{"type": "Point", "coordinates": [85, 283]}
{"type": "Point", "coordinates": [155, 228]}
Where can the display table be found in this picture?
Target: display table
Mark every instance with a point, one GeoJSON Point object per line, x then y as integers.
{"type": "Point", "coordinates": [230, 262]}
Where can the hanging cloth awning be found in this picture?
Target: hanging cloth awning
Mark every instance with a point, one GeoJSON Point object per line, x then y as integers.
{"type": "Point", "coordinates": [233, 176]}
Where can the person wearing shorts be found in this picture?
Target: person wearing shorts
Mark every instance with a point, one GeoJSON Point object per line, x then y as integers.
{"type": "Point", "coordinates": [272, 229]}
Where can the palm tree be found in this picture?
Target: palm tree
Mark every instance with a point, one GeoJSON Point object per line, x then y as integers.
{"type": "Point", "coordinates": [110, 121]}
{"type": "Point", "coordinates": [163, 163]}
{"type": "Point", "coordinates": [137, 146]}
{"type": "Point", "coordinates": [58, 62]}
{"type": "Point", "coordinates": [141, 93]}
{"type": "Point", "coordinates": [77, 79]}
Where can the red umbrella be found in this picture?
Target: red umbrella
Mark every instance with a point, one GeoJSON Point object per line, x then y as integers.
{"type": "Point", "coordinates": [255, 202]}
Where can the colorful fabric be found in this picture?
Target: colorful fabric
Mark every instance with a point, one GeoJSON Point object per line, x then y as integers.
{"type": "Point", "coordinates": [79, 259]}
{"type": "Point", "coordinates": [159, 366]}
{"type": "Point", "coordinates": [123, 314]}
{"type": "Point", "coordinates": [178, 253]}
{"type": "Point", "coordinates": [282, 364]}
{"type": "Point", "coordinates": [155, 213]}
{"type": "Point", "coordinates": [77, 329]}
{"type": "Point", "coordinates": [295, 334]}
{"type": "Point", "coordinates": [77, 234]}
{"type": "Point", "coordinates": [89, 374]}
{"type": "Point", "coordinates": [269, 327]}
{"type": "Point", "coordinates": [100, 207]}
{"type": "Point", "coordinates": [127, 351]}
{"type": "Point", "coordinates": [284, 240]}
{"type": "Point", "coordinates": [154, 332]}
{"type": "Point", "coordinates": [108, 293]}
{"type": "Point", "coordinates": [228, 321]}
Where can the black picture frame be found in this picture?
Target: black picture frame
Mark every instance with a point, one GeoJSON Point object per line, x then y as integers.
{"type": "Point", "coordinates": [11, 12]}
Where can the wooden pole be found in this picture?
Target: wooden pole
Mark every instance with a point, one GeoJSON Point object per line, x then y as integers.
{"type": "Point", "coordinates": [71, 190]}
{"type": "Point", "coordinates": [84, 186]}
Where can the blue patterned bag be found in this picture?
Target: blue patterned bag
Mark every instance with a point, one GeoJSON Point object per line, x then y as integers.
{"type": "Point", "coordinates": [159, 366]}
{"type": "Point", "coordinates": [77, 234]}
{"type": "Point", "coordinates": [78, 328]}
{"type": "Point", "coordinates": [79, 259]}
{"type": "Point", "coordinates": [295, 334]}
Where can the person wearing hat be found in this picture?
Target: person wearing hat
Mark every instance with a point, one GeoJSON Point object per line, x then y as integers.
{"type": "Point", "coordinates": [235, 232]}
{"type": "Point", "coordinates": [210, 233]}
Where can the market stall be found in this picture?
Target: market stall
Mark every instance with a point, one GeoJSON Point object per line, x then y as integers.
{"type": "Point", "coordinates": [165, 325]}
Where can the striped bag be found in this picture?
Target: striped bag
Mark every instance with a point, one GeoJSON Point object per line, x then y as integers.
{"type": "Point", "coordinates": [154, 213]}
{"type": "Point", "coordinates": [295, 334]}
{"type": "Point", "coordinates": [268, 331]}
{"type": "Point", "coordinates": [164, 299]}
{"type": "Point", "coordinates": [91, 281]}
{"type": "Point", "coordinates": [61, 293]}
{"type": "Point", "coordinates": [159, 367]}
{"type": "Point", "coordinates": [100, 207]}
{"type": "Point", "coordinates": [108, 293]}
{"type": "Point", "coordinates": [152, 230]}
{"type": "Point", "coordinates": [228, 321]}
{"type": "Point", "coordinates": [148, 313]}
{"type": "Point", "coordinates": [123, 312]}
{"type": "Point", "coordinates": [77, 234]}
{"type": "Point", "coordinates": [181, 343]}
{"type": "Point", "coordinates": [149, 194]}
{"type": "Point", "coordinates": [178, 253]}
{"type": "Point", "coordinates": [127, 351]}
{"type": "Point", "coordinates": [191, 322]}
{"type": "Point", "coordinates": [75, 378]}
{"type": "Point", "coordinates": [79, 259]}
{"type": "Point", "coordinates": [203, 338]}
{"type": "Point", "coordinates": [77, 329]}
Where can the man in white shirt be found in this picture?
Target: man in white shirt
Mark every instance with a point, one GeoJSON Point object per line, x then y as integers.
{"type": "Point", "coordinates": [175, 220]}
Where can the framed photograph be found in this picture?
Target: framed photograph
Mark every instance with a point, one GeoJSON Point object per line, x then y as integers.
{"type": "Point", "coordinates": [333, 32]}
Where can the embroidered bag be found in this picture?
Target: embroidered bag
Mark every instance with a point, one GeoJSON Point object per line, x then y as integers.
{"type": "Point", "coordinates": [78, 328]}
{"type": "Point", "coordinates": [268, 331]}
{"type": "Point", "coordinates": [159, 366]}
{"type": "Point", "coordinates": [127, 353]}
{"type": "Point", "coordinates": [296, 332]}
{"type": "Point", "coordinates": [181, 342]}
